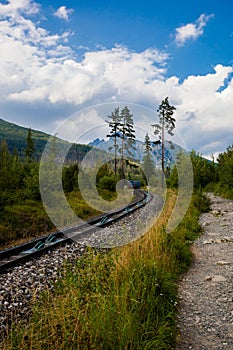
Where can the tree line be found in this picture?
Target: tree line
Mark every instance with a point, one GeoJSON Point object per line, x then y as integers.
{"type": "Point", "coordinates": [208, 175]}
{"type": "Point", "coordinates": [121, 126]}
{"type": "Point", "coordinates": [21, 210]}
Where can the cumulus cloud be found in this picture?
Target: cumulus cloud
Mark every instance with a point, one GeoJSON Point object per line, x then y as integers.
{"type": "Point", "coordinates": [39, 68]}
{"type": "Point", "coordinates": [191, 30]}
{"type": "Point", "coordinates": [25, 47]}
{"type": "Point", "coordinates": [63, 12]}
{"type": "Point", "coordinates": [110, 73]}
{"type": "Point", "coordinates": [15, 7]}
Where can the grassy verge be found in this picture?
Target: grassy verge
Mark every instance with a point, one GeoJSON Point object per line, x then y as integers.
{"type": "Point", "coordinates": [28, 219]}
{"type": "Point", "coordinates": [123, 299]}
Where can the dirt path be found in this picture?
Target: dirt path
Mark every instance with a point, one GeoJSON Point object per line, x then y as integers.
{"type": "Point", "coordinates": [206, 307]}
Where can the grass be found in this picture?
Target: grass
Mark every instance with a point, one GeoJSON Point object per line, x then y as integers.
{"type": "Point", "coordinates": [121, 299]}
{"type": "Point", "coordinates": [28, 219]}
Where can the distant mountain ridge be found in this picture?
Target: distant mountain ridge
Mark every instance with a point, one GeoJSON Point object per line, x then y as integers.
{"type": "Point", "coordinates": [16, 135]}
{"type": "Point", "coordinates": [138, 153]}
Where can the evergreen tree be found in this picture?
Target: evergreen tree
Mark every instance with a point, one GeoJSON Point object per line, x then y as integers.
{"type": "Point", "coordinates": [127, 135]}
{"type": "Point", "coordinates": [114, 124]}
{"type": "Point", "coordinates": [148, 164]}
{"type": "Point", "coordinates": [11, 173]}
{"type": "Point", "coordinates": [30, 145]}
{"type": "Point", "coordinates": [166, 124]}
{"type": "Point", "coordinates": [225, 172]}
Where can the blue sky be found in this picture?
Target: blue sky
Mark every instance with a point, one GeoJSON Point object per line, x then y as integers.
{"type": "Point", "coordinates": [59, 57]}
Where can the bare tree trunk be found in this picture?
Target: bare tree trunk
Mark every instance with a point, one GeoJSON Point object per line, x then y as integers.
{"type": "Point", "coordinates": [163, 152]}
{"type": "Point", "coordinates": [115, 160]}
{"type": "Point", "coordinates": [122, 159]}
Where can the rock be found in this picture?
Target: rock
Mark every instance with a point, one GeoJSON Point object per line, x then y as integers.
{"type": "Point", "coordinates": [222, 262]}
{"type": "Point", "coordinates": [208, 278]}
{"type": "Point", "coordinates": [218, 278]}
{"type": "Point", "coordinates": [216, 212]}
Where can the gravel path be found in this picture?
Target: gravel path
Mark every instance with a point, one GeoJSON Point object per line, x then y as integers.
{"type": "Point", "coordinates": [205, 318]}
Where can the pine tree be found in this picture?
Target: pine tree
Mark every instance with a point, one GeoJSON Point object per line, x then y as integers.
{"type": "Point", "coordinates": [114, 124]}
{"type": "Point", "coordinates": [166, 124]}
{"type": "Point", "coordinates": [10, 173]}
{"type": "Point", "coordinates": [30, 145]}
{"type": "Point", "coordinates": [225, 172]}
{"type": "Point", "coordinates": [148, 164]}
{"type": "Point", "coordinates": [127, 135]}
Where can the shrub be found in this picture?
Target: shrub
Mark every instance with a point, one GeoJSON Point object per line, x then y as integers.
{"type": "Point", "coordinates": [107, 183]}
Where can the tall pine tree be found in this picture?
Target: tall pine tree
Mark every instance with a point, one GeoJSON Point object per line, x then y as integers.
{"type": "Point", "coordinates": [114, 124]}
{"type": "Point", "coordinates": [127, 136]}
{"type": "Point", "coordinates": [148, 164]}
{"type": "Point", "coordinates": [30, 149]}
{"type": "Point", "coordinates": [166, 124]}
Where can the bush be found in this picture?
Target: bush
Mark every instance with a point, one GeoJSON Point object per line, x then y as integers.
{"type": "Point", "coordinates": [201, 201]}
{"type": "Point", "coordinates": [107, 183]}
{"type": "Point", "coordinates": [25, 221]}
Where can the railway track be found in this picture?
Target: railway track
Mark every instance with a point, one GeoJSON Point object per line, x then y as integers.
{"type": "Point", "coordinates": [20, 254]}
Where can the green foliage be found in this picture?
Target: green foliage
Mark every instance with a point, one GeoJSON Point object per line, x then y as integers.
{"type": "Point", "coordinates": [70, 178]}
{"type": "Point", "coordinates": [104, 170]}
{"type": "Point", "coordinates": [26, 220]}
{"type": "Point", "coordinates": [202, 202]}
{"type": "Point", "coordinates": [114, 124]}
{"type": "Point", "coordinates": [108, 183]}
{"type": "Point", "coordinates": [172, 181]}
{"type": "Point", "coordinates": [30, 146]}
{"type": "Point", "coordinates": [79, 206]}
{"type": "Point", "coordinates": [104, 303]}
{"type": "Point", "coordinates": [10, 169]}
{"type": "Point", "coordinates": [34, 141]}
{"type": "Point", "coordinates": [208, 175]}
{"type": "Point", "coordinates": [148, 163]}
{"type": "Point", "coordinates": [21, 212]}
{"type": "Point", "coordinates": [16, 138]}
{"type": "Point", "coordinates": [121, 126]}
{"type": "Point", "coordinates": [204, 171]}
{"type": "Point", "coordinates": [127, 130]}
{"type": "Point", "coordinates": [166, 124]}
{"type": "Point", "coordinates": [225, 173]}
{"type": "Point", "coordinates": [31, 182]}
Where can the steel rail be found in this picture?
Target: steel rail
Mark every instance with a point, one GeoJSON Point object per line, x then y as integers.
{"type": "Point", "coordinates": [13, 256]}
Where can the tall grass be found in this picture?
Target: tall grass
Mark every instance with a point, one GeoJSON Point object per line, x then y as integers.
{"type": "Point", "coordinates": [122, 299]}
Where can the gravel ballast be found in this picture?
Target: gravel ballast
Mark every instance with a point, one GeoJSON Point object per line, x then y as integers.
{"type": "Point", "coordinates": [21, 286]}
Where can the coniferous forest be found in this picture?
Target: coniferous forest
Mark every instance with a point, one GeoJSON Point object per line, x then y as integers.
{"type": "Point", "coordinates": [21, 211]}
{"type": "Point", "coordinates": [113, 296]}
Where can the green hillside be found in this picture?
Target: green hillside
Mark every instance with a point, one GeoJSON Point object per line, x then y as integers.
{"type": "Point", "coordinates": [9, 130]}
{"type": "Point", "coordinates": [16, 135]}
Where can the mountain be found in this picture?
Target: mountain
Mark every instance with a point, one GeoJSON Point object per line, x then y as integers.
{"type": "Point", "coordinates": [16, 136]}
{"type": "Point", "coordinates": [139, 149]}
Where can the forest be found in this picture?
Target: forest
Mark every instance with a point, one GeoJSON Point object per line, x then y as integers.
{"type": "Point", "coordinates": [22, 214]}
{"type": "Point", "coordinates": [123, 298]}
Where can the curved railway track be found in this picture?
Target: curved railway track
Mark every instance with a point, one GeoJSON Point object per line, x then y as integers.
{"type": "Point", "coordinates": [20, 254]}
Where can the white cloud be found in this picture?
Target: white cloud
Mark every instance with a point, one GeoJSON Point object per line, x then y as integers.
{"type": "Point", "coordinates": [15, 7]}
{"type": "Point", "coordinates": [191, 30]}
{"type": "Point", "coordinates": [116, 72]}
{"type": "Point", "coordinates": [39, 68]}
{"type": "Point", "coordinates": [63, 12]}
{"type": "Point", "coordinates": [25, 47]}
